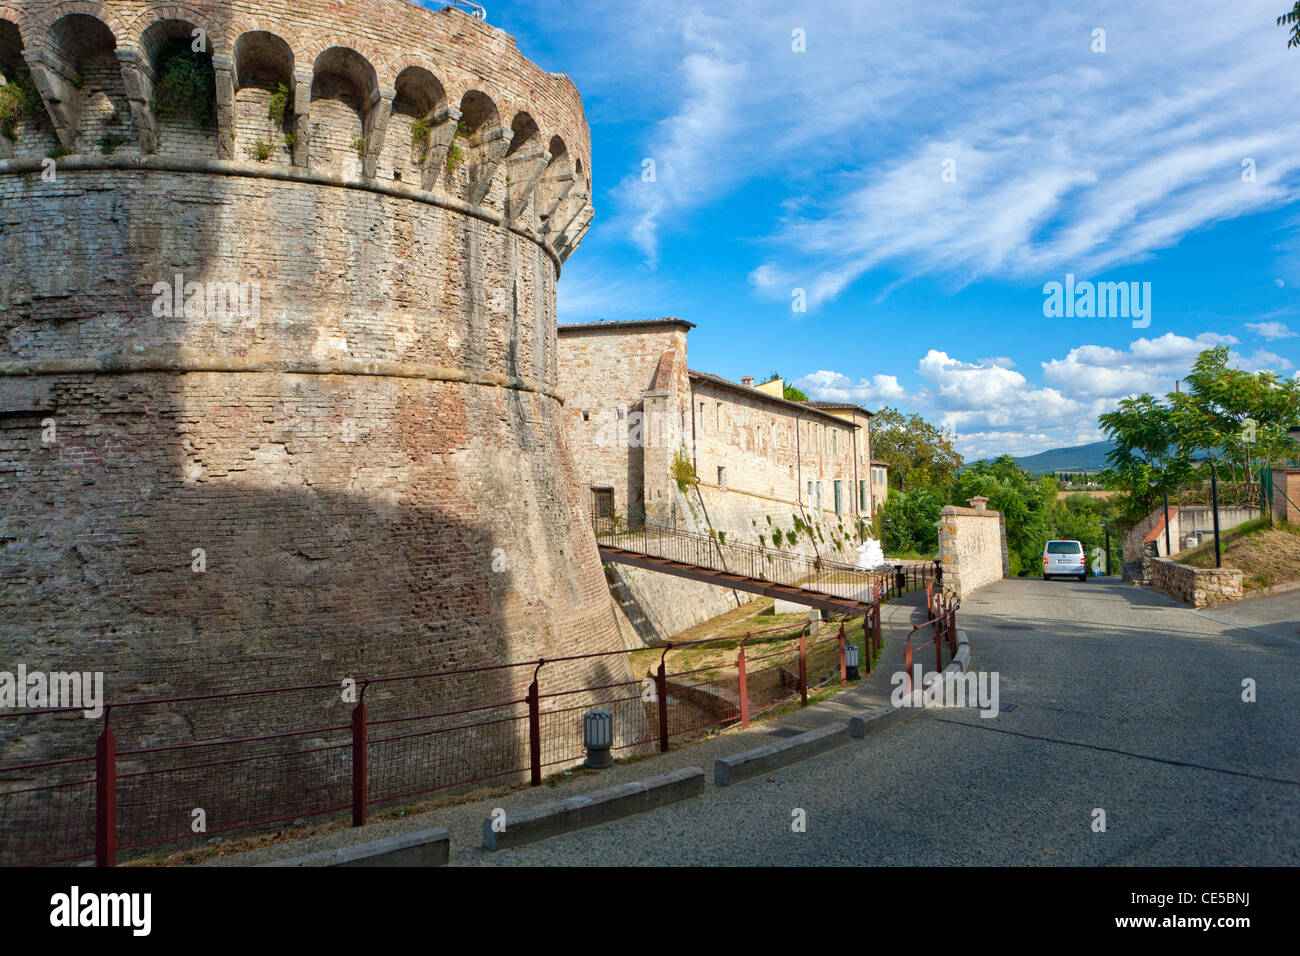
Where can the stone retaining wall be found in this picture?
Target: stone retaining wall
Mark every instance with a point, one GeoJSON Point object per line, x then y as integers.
{"type": "Point", "coordinates": [972, 547]}
{"type": "Point", "coordinates": [1199, 587]}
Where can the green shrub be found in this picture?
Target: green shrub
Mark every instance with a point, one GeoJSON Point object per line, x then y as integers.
{"type": "Point", "coordinates": [279, 105]}
{"type": "Point", "coordinates": [18, 101]}
{"type": "Point", "coordinates": [187, 86]}
{"type": "Point", "coordinates": [260, 151]}
{"type": "Point", "coordinates": [683, 471]}
{"type": "Point", "coordinates": [109, 142]}
{"type": "Point", "coordinates": [420, 132]}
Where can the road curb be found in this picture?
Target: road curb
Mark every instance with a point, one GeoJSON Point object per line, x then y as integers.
{"type": "Point", "coordinates": [752, 763]}
{"type": "Point", "coordinates": [874, 721]}
{"type": "Point", "coordinates": [601, 806]}
{"type": "Point", "coordinates": [430, 847]}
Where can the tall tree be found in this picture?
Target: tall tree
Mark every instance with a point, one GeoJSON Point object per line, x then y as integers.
{"type": "Point", "coordinates": [1292, 20]}
{"type": "Point", "coordinates": [919, 454]}
{"type": "Point", "coordinates": [1149, 445]}
{"type": "Point", "coordinates": [1233, 414]}
{"type": "Point", "coordinates": [1025, 503]}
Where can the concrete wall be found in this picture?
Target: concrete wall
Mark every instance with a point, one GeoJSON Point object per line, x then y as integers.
{"type": "Point", "coordinates": [972, 548]}
{"type": "Point", "coordinates": [1183, 520]}
{"type": "Point", "coordinates": [1199, 587]}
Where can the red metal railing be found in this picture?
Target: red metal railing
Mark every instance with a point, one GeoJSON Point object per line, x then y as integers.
{"type": "Point", "coordinates": [941, 605]}
{"type": "Point", "coordinates": [137, 786]}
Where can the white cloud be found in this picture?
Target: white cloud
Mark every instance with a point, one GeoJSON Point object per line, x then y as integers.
{"type": "Point", "coordinates": [825, 386]}
{"type": "Point", "coordinates": [1271, 330]}
{"type": "Point", "coordinates": [1149, 365]}
{"type": "Point", "coordinates": [995, 409]}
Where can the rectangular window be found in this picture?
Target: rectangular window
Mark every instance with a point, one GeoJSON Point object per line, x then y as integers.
{"type": "Point", "coordinates": [819, 496]}
{"type": "Point", "coordinates": [837, 496]}
{"type": "Point", "coordinates": [603, 499]}
{"type": "Point", "coordinates": [722, 478]}
{"type": "Point", "coordinates": [862, 494]}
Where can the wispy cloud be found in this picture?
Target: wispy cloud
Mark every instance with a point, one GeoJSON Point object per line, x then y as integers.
{"type": "Point", "coordinates": [1271, 330]}
{"type": "Point", "coordinates": [1064, 158]}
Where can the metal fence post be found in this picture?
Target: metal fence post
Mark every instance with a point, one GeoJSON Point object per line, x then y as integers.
{"type": "Point", "coordinates": [106, 796]}
{"type": "Point", "coordinates": [868, 641]}
{"type": "Point", "coordinates": [359, 761]}
{"type": "Point", "coordinates": [803, 667]}
{"type": "Point", "coordinates": [661, 689]}
{"type": "Point", "coordinates": [743, 685]}
{"type": "Point", "coordinates": [938, 643]}
{"type": "Point", "coordinates": [535, 728]}
{"type": "Point", "coordinates": [844, 674]}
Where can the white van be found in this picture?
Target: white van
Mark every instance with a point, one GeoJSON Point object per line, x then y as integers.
{"type": "Point", "coordinates": [1064, 559]}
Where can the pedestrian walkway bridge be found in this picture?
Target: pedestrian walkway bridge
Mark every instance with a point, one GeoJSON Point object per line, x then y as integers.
{"type": "Point", "coordinates": [832, 587]}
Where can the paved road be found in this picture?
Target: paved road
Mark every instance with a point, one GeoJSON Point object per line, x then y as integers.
{"type": "Point", "coordinates": [1120, 700]}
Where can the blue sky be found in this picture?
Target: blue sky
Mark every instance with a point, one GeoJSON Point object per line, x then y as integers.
{"type": "Point", "coordinates": [1171, 158]}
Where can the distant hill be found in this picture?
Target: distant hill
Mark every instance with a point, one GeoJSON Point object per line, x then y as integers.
{"type": "Point", "coordinates": [1090, 457]}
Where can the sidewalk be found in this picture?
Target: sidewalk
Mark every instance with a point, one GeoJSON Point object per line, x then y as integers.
{"type": "Point", "coordinates": [464, 821]}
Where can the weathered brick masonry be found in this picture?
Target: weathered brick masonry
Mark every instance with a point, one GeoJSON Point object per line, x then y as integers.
{"type": "Point", "coordinates": [350, 458]}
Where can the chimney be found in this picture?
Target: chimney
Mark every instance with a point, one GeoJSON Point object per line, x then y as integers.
{"type": "Point", "coordinates": [747, 381]}
{"type": "Point", "coordinates": [978, 502]}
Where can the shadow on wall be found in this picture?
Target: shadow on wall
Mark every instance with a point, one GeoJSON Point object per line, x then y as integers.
{"type": "Point", "coordinates": [184, 514]}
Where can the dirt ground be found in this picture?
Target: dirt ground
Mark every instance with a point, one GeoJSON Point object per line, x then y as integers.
{"type": "Point", "coordinates": [1264, 556]}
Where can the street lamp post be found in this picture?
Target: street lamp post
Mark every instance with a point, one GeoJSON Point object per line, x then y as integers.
{"type": "Point", "coordinates": [1218, 550]}
{"type": "Point", "coordinates": [1214, 504]}
{"type": "Point", "coordinates": [1169, 551]}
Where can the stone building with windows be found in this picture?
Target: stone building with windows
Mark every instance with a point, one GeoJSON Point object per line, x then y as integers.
{"type": "Point", "coordinates": [656, 441]}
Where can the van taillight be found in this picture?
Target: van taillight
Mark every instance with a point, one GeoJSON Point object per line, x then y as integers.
{"type": "Point", "coordinates": [1083, 559]}
{"type": "Point", "coordinates": [1044, 559]}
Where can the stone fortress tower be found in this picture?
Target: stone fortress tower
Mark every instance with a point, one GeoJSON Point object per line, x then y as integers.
{"type": "Point", "coordinates": [278, 374]}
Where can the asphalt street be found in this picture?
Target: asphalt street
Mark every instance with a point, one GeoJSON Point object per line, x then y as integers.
{"type": "Point", "coordinates": [1113, 699]}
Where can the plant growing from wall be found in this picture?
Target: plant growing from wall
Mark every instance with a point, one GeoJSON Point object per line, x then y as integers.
{"type": "Point", "coordinates": [683, 471]}
{"type": "Point", "coordinates": [260, 151]}
{"type": "Point", "coordinates": [187, 86]}
{"type": "Point", "coordinates": [109, 142]}
{"type": "Point", "coordinates": [359, 144]}
{"type": "Point", "coordinates": [18, 101]}
{"type": "Point", "coordinates": [421, 130]}
{"type": "Point", "coordinates": [279, 105]}
{"type": "Point", "coordinates": [792, 538]}
{"type": "Point", "coordinates": [454, 154]}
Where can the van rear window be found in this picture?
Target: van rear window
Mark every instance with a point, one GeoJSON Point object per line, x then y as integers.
{"type": "Point", "coordinates": [1064, 547]}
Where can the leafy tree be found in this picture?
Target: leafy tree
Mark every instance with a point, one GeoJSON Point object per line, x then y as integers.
{"type": "Point", "coordinates": [1152, 443]}
{"type": "Point", "coordinates": [1025, 503]}
{"type": "Point", "coordinates": [1292, 20]}
{"type": "Point", "coordinates": [908, 519]}
{"type": "Point", "coordinates": [791, 393]}
{"type": "Point", "coordinates": [1235, 415]}
{"type": "Point", "coordinates": [919, 454]}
